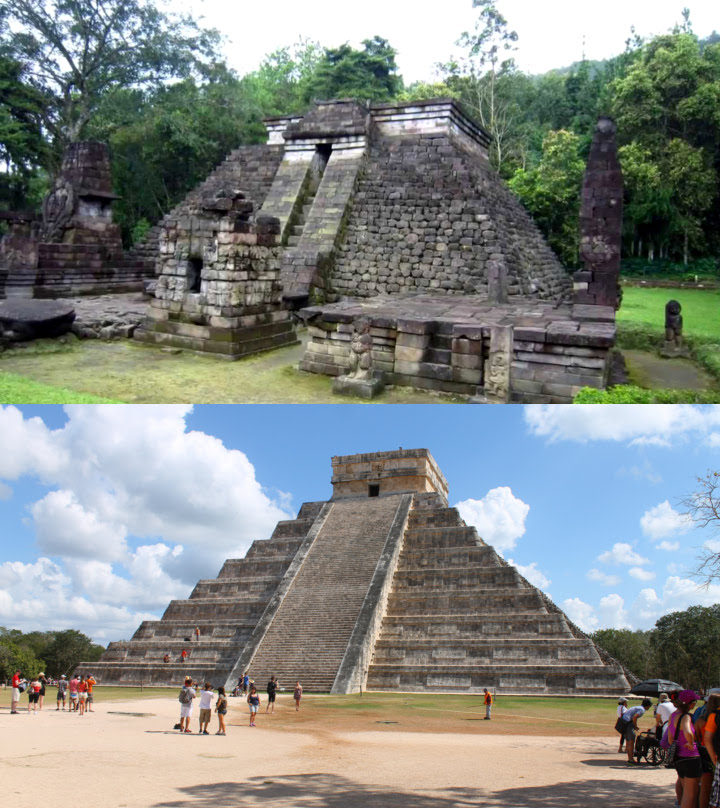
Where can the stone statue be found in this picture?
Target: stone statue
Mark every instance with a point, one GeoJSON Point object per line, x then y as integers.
{"type": "Point", "coordinates": [361, 351]}
{"type": "Point", "coordinates": [673, 345]}
{"type": "Point", "coordinates": [58, 209]}
{"type": "Point", "coordinates": [498, 365]}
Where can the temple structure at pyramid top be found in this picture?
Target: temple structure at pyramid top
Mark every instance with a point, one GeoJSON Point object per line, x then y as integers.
{"type": "Point", "coordinates": [382, 587]}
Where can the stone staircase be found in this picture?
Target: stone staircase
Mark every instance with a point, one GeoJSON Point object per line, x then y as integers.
{"type": "Point", "coordinates": [226, 609]}
{"type": "Point", "coordinates": [459, 618]}
{"type": "Point", "coordinates": [297, 228]}
{"type": "Point", "coordinates": [308, 638]}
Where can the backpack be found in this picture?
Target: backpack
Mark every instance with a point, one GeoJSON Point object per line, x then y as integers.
{"type": "Point", "coordinates": [184, 697]}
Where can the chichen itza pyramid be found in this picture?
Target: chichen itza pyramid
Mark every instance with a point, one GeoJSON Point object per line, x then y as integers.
{"type": "Point", "coordinates": [383, 587]}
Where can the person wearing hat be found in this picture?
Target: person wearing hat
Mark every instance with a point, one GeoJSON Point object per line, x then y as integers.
{"type": "Point", "coordinates": [90, 683]}
{"type": "Point", "coordinates": [15, 693]}
{"type": "Point", "coordinates": [621, 710]}
{"type": "Point", "coordinates": [62, 690]}
{"type": "Point", "coordinates": [688, 765]}
{"type": "Point", "coordinates": [665, 709]}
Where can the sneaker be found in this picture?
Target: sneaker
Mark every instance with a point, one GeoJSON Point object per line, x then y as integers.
{"type": "Point", "coordinates": [188, 730]}
{"type": "Point", "coordinates": [632, 763]}
{"type": "Point", "coordinates": [205, 732]}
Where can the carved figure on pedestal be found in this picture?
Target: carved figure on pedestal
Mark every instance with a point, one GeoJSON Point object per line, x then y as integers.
{"type": "Point", "coordinates": [58, 209]}
{"type": "Point", "coordinates": [674, 345]}
{"type": "Point", "coordinates": [497, 380]}
{"type": "Point", "coordinates": [361, 352]}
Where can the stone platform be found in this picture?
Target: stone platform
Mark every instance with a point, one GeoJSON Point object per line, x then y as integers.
{"type": "Point", "coordinates": [442, 342]}
{"type": "Point", "coordinates": [24, 318]}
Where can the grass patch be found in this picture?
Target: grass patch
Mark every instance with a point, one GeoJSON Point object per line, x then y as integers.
{"type": "Point", "coordinates": [100, 694]}
{"type": "Point", "coordinates": [630, 394]}
{"type": "Point", "coordinates": [16, 389]}
{"type": "Point", "coordinates": [644, 309]}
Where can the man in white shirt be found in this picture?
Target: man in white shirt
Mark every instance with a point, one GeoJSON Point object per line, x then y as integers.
{"type": "Point", "coordinates": [206, 700]}
{"type": "Point", "coordinates": [665, 709]}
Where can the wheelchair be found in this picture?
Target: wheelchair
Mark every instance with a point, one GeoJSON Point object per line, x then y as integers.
{"type": "Point", "coordinates": [647, 745]}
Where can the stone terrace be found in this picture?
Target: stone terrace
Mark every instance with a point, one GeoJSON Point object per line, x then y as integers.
{"type": "Point", "coordinates": [442, 342]}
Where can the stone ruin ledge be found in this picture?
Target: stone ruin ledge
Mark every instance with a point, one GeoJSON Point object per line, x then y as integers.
{"type": "Point", "coordinates": [444, 343]}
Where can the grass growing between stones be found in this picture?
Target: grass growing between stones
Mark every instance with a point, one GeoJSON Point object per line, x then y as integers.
{"type": "Point", "coordinates": [133, 373]}
{"type": "Point", "coordinates": [16, 389]}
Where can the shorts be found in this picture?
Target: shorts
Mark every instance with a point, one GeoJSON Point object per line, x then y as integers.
{"type": "Point", "coordinates": [254, 708]}
{"type": "Point", "coordinates": [205, 716]}
{"type": "Point", "coordinates": [61, 695]}
{"type": "Point", "coordinates": [705, 761]}
{"type": "Point", "coordinates": [689, 767]}
{"type": "Point", "coordinates": [74, 696]}
{"type": "Point", "coordinates": [271, 697]}
{"type": "Point", "coordinates": [90, 697]}
{"type": "Point", "coordinates": [33, 698]}
{"type": "Point", "coordinates": [186, 710]}
{"type": "Point", "coordinates": [222, 712]}
{"type": "Point", "coordinates": [83, 697]}
{"type": "Point", "coordinates": [630, 732]}
{"type": "Point", "coordinates": [16, 694]}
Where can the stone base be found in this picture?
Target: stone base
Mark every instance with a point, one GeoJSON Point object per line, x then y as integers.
{"type": "Point", "coordinates": [24, 319]}
{"type": "Point", "coordinates": [671, 351]}
{"type": "Point", "coordinates": [362, 388]}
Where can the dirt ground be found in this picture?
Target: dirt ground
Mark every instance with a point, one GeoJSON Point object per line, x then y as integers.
{"type": "Point", "coordinates": [126, 755]}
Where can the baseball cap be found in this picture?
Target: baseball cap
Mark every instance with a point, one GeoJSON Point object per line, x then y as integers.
{"type": "Point", "coordinates": [687, 696]}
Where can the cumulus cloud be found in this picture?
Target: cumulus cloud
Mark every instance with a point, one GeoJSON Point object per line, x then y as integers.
{"type": "Point", "coordinates": [638, 424]}
{"type": "Point", "coordinates": [612, 613]}
{"type": "Point", "coordinates": [668, 546]}
{"type": "Point", "coordinates": [663, 521]}
{"type": "Point", "coordinates": [622, 553]}
{"type": "Point", "coordinates": [499, 517]}
{"type": "Point", "coordinates": [603, 578]}
{"type": "Point", "coordinates": [581, 613]}
{"type": "Point", "coordinates": [533, 574]}
{"type": "Point", "coordinates": [5, 492]}
{"type": "Point", "coordinates": [641, 574]}
{"type": "Point", "coordinates": [138, 509]}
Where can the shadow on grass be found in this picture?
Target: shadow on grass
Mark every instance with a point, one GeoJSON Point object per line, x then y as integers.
{"type": "Point", "coordinates": [332, 791]}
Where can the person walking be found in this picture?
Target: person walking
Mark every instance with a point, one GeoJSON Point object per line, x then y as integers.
{"type": "Point", "coordinates": [272, 687]}
{"type": "Point", "coordinates": [61, 691]}
{"type": "Point", "coordinates": [82, 694]}
{"type": "Point", "coordinates": [183, 655]}
{"type": "Point", "coordinates": [297, 695]}
{"type": "Point", "coordinates": [74, 695]}
{"type": "Point", "coordinates": [197, 633]}
{"type": "Point", "coordinates": [630, 720]}
{"type": "Point", "coordinates": [43, 683]}
{"type": "Point", "coordinates": [488, 703]}
{"type": "Point", "coordinates": [15, 698]}
{"type": "Point", "coordinates": [221, 710]}
{"type": "Point", "coordinates": [253, 700]}
{"type": "Point", "coordinates": [206, 699]}
{"type": "Point", "coordinates": [245, 683]}
{"type": "Point", "coordinates": [622, 707]}
{"type": "Point", "coordinates": [700, 719]}
{"type": "Point", "coordinates": [187, 694]}
{"type": "Point", "coordinates": [711, 738]}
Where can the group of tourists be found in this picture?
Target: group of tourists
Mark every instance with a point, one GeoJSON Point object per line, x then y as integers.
{"type": "Point", "coordinates": [76, 694]}
{"type": "Point", "coordinates": [191, 690]}
{"type": "Point", "coordinates": [691, 735]}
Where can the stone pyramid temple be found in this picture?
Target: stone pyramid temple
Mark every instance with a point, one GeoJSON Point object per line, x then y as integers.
{"type": "Point", "coordinates": [383, 587]}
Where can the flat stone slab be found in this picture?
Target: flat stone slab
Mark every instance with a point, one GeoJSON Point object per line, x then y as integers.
{"type": "Point", "coordinates": [426, 313]}
{"type": "Point", "coordinates": [362, 388]}
{"type": "Point", "coordinates": [25, 318]}
{"type": "Point", "coordinates": [657, 374]}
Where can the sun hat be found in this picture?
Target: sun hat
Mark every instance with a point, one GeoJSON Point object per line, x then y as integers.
{"type": "Point", "coordinates": [687, 696]}
{"type": "Point", "coordinates": [622, 701]}
{"type": "Point", "coordinates": [664, 697]}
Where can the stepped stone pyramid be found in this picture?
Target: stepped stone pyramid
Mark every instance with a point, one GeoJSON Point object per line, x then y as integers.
{"type": "Point", "coordinates": [383, 587]}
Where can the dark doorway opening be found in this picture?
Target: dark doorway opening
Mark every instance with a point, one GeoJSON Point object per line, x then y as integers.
{"type": "Point", "coordinates": [195, 266]}
{"type": "Point", "coordinates": [373, 490]}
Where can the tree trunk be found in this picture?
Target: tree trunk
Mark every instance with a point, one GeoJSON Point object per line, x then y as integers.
{"type": "Point", "coordinates": [651, 252]}
{"type": "Point", "coordinates": [685, 248]}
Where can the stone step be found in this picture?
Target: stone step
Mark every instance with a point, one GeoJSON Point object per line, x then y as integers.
{"type": "Point", "coordinates": [464, 602]}
{"type": "Point", "coordinates": [452, 579]}
{"type": "Point", "coordinates": [293, 241]}
{"type": "Point", "coordinates": [442, 557]}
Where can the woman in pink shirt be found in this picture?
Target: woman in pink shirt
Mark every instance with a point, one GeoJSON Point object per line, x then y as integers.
{"type": "Point", "coordinates": [688, 766]}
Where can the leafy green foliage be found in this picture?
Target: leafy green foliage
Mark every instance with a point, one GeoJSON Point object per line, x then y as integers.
{"type": "Point", "coordinates": [629, 394]}
{"type": "Point", "coordinates": [369, 74]}
{"type": "Point", "coordinates": [67, 649]}
{"type": "Point", "coordinates": [633, 649]}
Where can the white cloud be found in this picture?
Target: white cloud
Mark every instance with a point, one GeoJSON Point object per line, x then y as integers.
{"type": "Point", "coordinates": [5, 492]}
{"type": "Point", "coordinates": [131, 486]}
{"type": "Point", "coordinates": [603, 578]}
{"type": "Point", "coordinates": [581, 613]}
{"type": "Point", "coordinates": [641, 574]}
{"type": "Point", "coordinates": [668, 546]}
{"type": "Point", "coordinates": [499, 517]}
{"type": "Point", "coordinates": [713, 545]}
{"type": "Point", "coordinates": [622, 553]}
{"type": "Point", "coordinates": [612, 613]}
{"type": "Point", "coordinates": [663, 521]}
{"type": "Point", "coordinates": [533, 574]}
{"type": "Point", "coordinates": [654, 424]}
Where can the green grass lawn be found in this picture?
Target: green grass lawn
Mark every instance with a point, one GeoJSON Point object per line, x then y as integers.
{"type": "Point", "coordinates": [646, 307]}
{"type": "Point", "coordinates": [15, 389]}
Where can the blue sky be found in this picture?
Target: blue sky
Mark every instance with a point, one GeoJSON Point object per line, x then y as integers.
{"type": "Point", "coordinates": [107, 513]}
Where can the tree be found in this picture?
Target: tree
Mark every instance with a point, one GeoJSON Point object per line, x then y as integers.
{"type": "Point", "coordinates": [633, 649]}
{"type": "Point", "coordinates": [687, 645]}
{"type": "Point", "coordinates": [77, 50]}
{"type": "Point", "coordinates": [703, 507]}
{"type": "Point", "coordinates": [67, 649]}
{"type": "Point", "coordinates": [369, 74]}
{"type": "Point", "coordinates": [16, 655]}
{"type": "Point", "coordinates": [486, 64]}
{"type": "Point", "coordinates": [551, 192]}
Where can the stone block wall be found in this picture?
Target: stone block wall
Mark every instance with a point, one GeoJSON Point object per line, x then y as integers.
{"type": "Point", "coordinates": [428, 215]}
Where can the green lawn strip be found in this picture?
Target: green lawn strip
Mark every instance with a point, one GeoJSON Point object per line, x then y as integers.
{"type": "Point", "coordinates": [100, 694]}
{"type": "Point", "coordinates": [700, 310]}
{"type": "Point", "coordinates": [15, 389]}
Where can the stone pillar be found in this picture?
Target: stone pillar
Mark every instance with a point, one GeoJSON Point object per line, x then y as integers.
{"type": "Point", "coordinates": [497, 367]}
{"type": "Point", "coordinates": [601, 222]}
{"type": "Point", "coordinates": [497, 282]}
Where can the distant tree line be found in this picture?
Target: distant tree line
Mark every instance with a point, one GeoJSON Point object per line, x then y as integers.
{"type": "Point", "coordinates": [50, 652]}
{"type": "Point", "coordinates": [151, 85]}
{"type": "Point", "coordinates": [683, 647]}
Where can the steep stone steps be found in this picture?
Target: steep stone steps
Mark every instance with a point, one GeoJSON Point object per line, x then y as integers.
{"type": "Point", "coordinates": [461, 628]}
{"type": "Point", "coordinates": [314, 623]}
{"type": "Point", "coordinates": [455, 578]}
{"type": "Point", "coordinates": [458, 602]}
